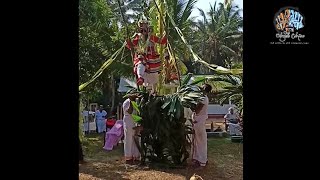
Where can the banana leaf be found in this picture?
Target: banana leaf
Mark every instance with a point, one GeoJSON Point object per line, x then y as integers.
{"type": "Point", "coordinates": [198, 80]}
{"type": "Point", "coordinates": [102, 68]}
{"type": "Point", "coordinates": [135, 106]}
{"type": "Point", "coordinates": [167, 102]}
{"type": "Point", "coordinates": [186, 79]}
{"type": "Point", "coordinates": [136, 118]}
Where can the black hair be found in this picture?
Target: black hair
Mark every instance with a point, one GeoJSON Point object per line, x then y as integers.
{"type": "Point", "coordinates": [207, 88]}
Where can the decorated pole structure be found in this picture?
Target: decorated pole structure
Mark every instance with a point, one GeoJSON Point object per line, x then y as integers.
{"type": "Point", "coordinates": [169, 47]}
{"type": "Point", "coordinates": [128, 35]}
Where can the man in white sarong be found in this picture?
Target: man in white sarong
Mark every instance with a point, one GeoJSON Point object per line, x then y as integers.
{"type": "Point", "coordinates": [131, 151]}
{"type": "Point", "coordinates": [101, 119]}
{"type": "Point", "coordinates": [232, 122]}
{"type": "Point", "coordinates": [85, 114]}
{"type": "Point", "coordinates": [199, 147]}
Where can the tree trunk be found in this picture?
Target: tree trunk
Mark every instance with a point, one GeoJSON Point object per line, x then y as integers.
{"type": "Point", "coordinates": [80, 151]}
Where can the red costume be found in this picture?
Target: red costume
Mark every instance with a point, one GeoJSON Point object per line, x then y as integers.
{"type": "Point", "coordinates": [147, 63]}
{"type": "Point", "coordinates": [152, 57]}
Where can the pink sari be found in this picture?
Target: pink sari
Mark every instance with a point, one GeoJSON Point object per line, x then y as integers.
{"type": "Point", "coordinates": [114, 135]}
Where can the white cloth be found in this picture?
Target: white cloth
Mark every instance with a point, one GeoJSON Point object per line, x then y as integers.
{"type": "Point", "coordinates": [234, 126]}
{"type": "Point", "coordinates": [141, 70]}
{"type": "Point", "coordinates": [235, 129]}
{"type": "Point", "coordinates": [101, 126]}
{"type": "Point", "coordinates": [85, 115]}
{"type": "Point", "coordinates": [230, 116]}
{"type": "Point", "coordinates": [86, 126]}
{"type": "Point", "coordinates": [200, 143]}
{"type": "Point", "coordinates": [199, 146]}
{"type": "Point", "coordinates": [204, 111]}
{"type": "Point", "coordinates": [130, 149]}
{"type": "Point", "coordinates": [151, 78]}
{"type": "Point", "coordinates": [99, 115]}
{"type": "Point", "coordinates": [101, 120]}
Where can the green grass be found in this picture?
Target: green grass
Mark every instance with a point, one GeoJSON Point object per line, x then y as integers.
{"type": "Point", "coordinates": [92, 148]}
{"type": "Point", "coordinates": [228, 156]}
{"type": "Point", "coordinates": [225, 163]}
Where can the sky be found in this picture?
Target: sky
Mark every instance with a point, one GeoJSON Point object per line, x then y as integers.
{"type": "Point", "coordinates": [205, 5]}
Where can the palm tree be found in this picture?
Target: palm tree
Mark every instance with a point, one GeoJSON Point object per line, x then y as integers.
{"type": "Point", "coordinates": [131, 8]}
{"type": "Point", "coordinates": [229, 87]}
{"type": "Point", "coordinates": [180, 11]}
{"type": "Point", "coordinates": [226, 87]}
{"type": "Point", "coordinates": [222, 39]}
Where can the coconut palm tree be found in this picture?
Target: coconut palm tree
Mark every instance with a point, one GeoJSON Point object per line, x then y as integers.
{"type": "Point", "coordinates": [229, 87]}
{"type": "Point", "coordinates": [222, 39]}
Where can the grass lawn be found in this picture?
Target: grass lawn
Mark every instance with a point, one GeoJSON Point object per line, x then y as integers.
{"type": "Point", "coordinates": [225, 163]}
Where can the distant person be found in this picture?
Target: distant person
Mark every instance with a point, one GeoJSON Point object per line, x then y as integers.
{"type": "Point", "coordinates": [233, 123]}
{"type": "Point", "coordinates": [110, 122]}
{"type": "Point", "coordinates": [85, 114]}
{"type": "Point", "coordinates": [199, 155]}
{"type": "Point", "coordinates": [231, 116]}
{"type": "Point", "coordinates": [101, 119]}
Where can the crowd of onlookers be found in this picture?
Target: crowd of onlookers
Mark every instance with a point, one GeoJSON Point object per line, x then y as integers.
{"type": "Point", "coordinates": [102, 122]}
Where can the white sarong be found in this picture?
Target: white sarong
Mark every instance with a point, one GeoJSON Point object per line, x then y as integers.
{"type": "Point", "coordinates": [131, 151]}
{"type": "Point", "coordinates": [199, 146]}
{"type": "Point", "coordinates": [235, 129]}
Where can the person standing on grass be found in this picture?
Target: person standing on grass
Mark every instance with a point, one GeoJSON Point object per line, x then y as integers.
{"type": "Point", "coordinates": [131, 152]}
{"type": "Point", "coordinates": [199, 146]}
{"type": "Point", "coordinates": [85, 114]}
{"type": "Point", "coordinates": [101, 119]}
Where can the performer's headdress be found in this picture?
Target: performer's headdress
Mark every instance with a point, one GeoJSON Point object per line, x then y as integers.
{"type": "Point", "coordinates": [143, 20]}
{"type": "Point", "coordinates": [143, 25]}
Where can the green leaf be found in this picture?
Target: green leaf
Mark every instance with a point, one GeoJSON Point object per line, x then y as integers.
{"type": "Point", "coordinates": [129, 86]}
{"type": "Point", "coordinates": [187, 79]}
{"type": "Point", "coordinates": [194, 95]}
{"type": "Point", "coordinates": [186, 98]}
{"type": "Point", "coordinates": [102, 68]}
{"type": "Point", "coordinates": [178, 110]}
{"type": "Point", "coordinates": [183, 68]}
{"type": "Point", "coordinates": [135, 106]}
{"type": "Point", "coordinates": [173, 104]}
{"type": "Point", "coordinates": [168, 101]}
{"type": "Point", "coordinates": [136, 118]}
{"type": "Point", "coordinates": [198, 80]}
